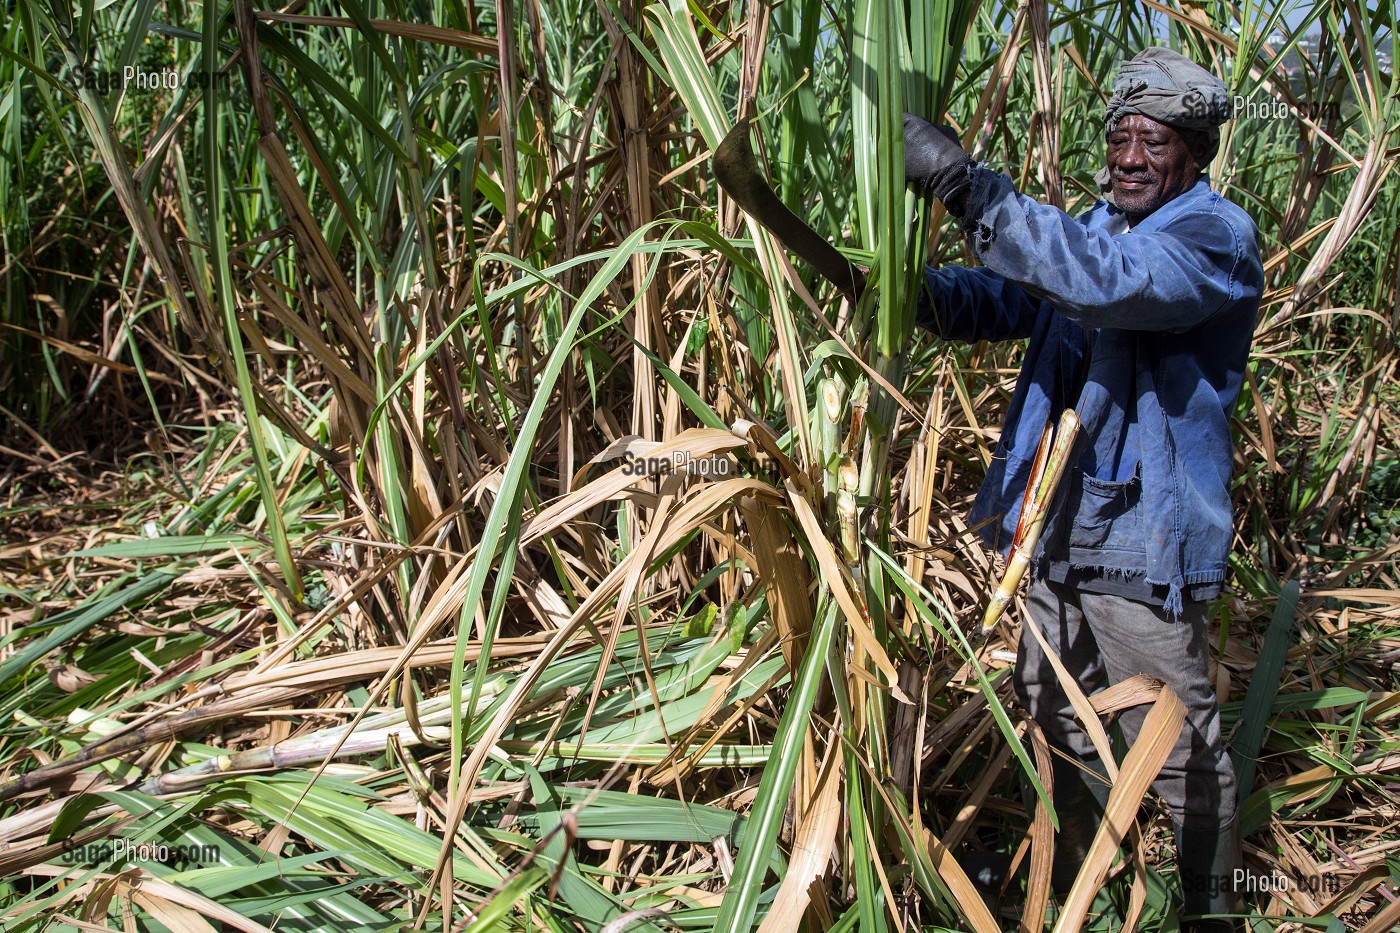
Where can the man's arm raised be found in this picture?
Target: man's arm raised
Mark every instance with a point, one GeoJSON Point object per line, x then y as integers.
{"type": "Point", "coordinates": [1155, 280]}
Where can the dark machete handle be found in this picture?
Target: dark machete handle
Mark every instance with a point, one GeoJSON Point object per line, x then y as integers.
{"type": "Point", "coordinates": [738, 174]}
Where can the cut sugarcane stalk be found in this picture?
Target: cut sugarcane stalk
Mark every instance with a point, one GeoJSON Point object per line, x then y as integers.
{"type": "Point", "coordinates": [1049, 466]}
{"type": "Point", "coordinates": [833, 398]}
{"type": "Point", "coordinates": [847, 515]}
{"type": "Point", "coordinates": [860, 401]}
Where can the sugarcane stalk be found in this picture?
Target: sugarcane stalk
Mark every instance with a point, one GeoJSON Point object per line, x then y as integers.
{"type": "Point", "coordinates": [1049, 466]}
{"type": "Point", "coordinates": [368, 737]}
{"type": "Point", "coordinates": [847, 515]}
{"type": "Point", "coordinates": [831, 394]}
{"type": "Point", "coordinates": [848, 533]}
{"type": "Point", "coordinates": [860, 401]}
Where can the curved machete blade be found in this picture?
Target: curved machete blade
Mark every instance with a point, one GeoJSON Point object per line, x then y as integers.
{"type": "Point", "coordinates": [738, 174]}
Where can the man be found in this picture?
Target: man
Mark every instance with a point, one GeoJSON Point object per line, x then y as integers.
{"type": "Point", "coordinates": [1139, 314]}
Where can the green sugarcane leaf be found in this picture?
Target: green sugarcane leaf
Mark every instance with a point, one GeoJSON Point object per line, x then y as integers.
{"type": "Point", "coordinates": [1263, 687]}
{"type": "Point", "coordinates": [66, 626]}
{"type": "Point", "coordinates": [167, 546]}
{"type": "Point", "coordinates": [741, 896]}
{"type": "Point", "coordinates": [490, 915]}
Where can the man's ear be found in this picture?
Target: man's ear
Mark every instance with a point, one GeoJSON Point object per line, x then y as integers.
{"type": "Point", "coordinates": [1199, 148]}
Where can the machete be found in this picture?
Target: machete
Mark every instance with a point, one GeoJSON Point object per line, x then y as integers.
{"type": "Point", "coordinates": [737, 170]}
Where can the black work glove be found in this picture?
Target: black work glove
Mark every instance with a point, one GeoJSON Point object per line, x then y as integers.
{"type": "Point", "coordinates": [934, 159]}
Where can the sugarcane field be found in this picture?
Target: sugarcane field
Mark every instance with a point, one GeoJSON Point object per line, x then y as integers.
{"type": "Point", "coordinates": [635, 466]}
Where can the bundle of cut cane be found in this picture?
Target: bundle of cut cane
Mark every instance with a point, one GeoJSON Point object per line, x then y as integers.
{"type": "Point", "coordinates": [1050, 458]}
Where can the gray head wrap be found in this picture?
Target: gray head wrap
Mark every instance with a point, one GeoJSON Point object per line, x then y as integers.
{"type": "Point", "coordinates": [1170, 88]}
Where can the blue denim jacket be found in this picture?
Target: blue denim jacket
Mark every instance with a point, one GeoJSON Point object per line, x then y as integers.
{"type": "Point", "coordinates": [1146, 332]}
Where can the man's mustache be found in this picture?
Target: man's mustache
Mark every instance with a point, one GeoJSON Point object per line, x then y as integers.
{"type": "Point", "coordinates": [1134, 178]}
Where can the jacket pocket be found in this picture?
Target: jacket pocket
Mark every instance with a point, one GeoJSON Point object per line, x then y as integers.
{"type": "Point", "coordinates": [1105, 514]}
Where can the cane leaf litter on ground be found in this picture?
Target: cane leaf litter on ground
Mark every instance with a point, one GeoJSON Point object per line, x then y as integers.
{"type": "Point", "coordinates": [429, 501]}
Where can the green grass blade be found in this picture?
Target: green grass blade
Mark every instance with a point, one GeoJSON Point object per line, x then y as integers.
{"type": "Point", "coordinates": [69, 625]}
{"type": "Point", "coordinates": [740, 906]}
{"type": "Point", "coordinates": [1263, 687]}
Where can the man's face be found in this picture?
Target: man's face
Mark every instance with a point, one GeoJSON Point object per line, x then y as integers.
{"type": "Point", "coordinates": [1149, 163]}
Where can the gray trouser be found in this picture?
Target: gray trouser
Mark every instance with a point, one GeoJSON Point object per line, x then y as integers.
{"type": "Point", "coordinates": [1102, 640]}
